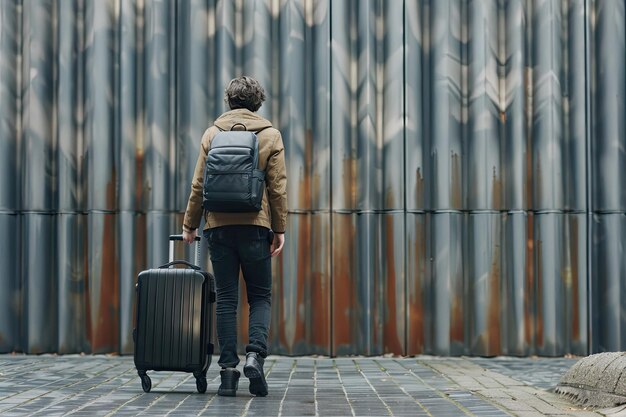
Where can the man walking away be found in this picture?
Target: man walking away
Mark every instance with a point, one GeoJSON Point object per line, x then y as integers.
{"type": "Point", "coordinates": [243, 240]}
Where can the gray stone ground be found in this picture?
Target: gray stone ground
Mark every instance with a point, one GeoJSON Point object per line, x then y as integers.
{"type": "Point", "coordinates": [75, 385]}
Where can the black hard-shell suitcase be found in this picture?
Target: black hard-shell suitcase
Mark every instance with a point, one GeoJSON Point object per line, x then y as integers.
{"type": "Point", "coordinates": [174, 313]}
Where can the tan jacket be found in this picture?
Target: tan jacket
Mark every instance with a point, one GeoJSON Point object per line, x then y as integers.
{"type": "Point", "coordinates": [273, 212]}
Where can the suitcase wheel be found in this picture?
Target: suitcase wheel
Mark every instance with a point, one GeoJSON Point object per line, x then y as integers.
{"type": "Point", "coordinates": [201, 384]}
{"type": "Point", "coordinates": [146, 383]}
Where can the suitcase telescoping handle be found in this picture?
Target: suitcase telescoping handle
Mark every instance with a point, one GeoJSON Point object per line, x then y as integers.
{"type": "Point", "coordinates": [179, 238]}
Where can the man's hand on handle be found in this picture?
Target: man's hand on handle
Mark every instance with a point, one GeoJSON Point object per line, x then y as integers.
{"type": "Point", "coordinates": [277, 245]}
{"type": "Point", "coordinates": [190, 236]}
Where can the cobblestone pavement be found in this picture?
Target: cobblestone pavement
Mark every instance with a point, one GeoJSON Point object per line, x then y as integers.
{"type": "Point", "coordinates": [76, 385]}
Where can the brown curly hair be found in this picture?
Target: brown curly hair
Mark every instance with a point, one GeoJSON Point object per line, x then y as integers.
{"type": "Point", "coordinates": [244, 93]}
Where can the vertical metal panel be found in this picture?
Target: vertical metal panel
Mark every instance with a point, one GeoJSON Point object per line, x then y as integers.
{"type": "Point", "coordinates": [608, 86]}
{"type": "Point", "coordinates": [459, 108]}
{"type": "Point", "coordinates": [575, 108]}
{"type": "Point", "coordinates": [305, 88]}
{"type": "Point", "coordinates": [515, 145]}
{"type": "Point", "coordinates": [349, 301]}
{"type": "Point", "coordinates": [159, 226]}
{"type": "Point", "coordinates": [39, 301]}
{"type": "Point", "coordinates": [367, 139]}
{"type": "Point", "coordinates": [132, 259]}
{"type": "Point", "coordinates": [484, 284]}
{"type": "Point", "coordinates": [517, 286]}
{"type": "Point", "coordinates": [444, 120]}
{"type": "Point", "coordinates": [576, 275]}
{"type": "Point", "coordinates": [192, 95]}
{"type": "Point", "coordinates": [343, 117]}
{"type": "Point", "coordinates": [356, 144]}
{"type": "Point", "coordinates": [549, 285]}
{"type": "Point", "coordinates": [320, 107]}
{"type": "Point", "coordinates": [39, 288]}
{"type": "Point", "coordinates": [301, 288]}
{"type": "Point", "coordinates": [391, 292]}
{"type": "Point", "coordinates": [609, 123]}
{"type": "Point", "coordinates": [444, 283]}
{"type": "Point", "coordinates": [38, 162]}
{"type": "Point", "coordinates": [99, 105]}
{"type": "Point", "coordinates": [103, 284]}
{"type": "Point", "coordinates": [547, 105]}
{"type": "Point", "coordinates": [69, 104]}
{"type": "Point", "coordinates": [415, 141]}
{"type": "Point", "coordinates": [392, 66]}
{"type": "Point", "coordinates": [361, 284]}
{"type": "Point", "coordinates": [11, 312]}
{"type": "Point", "coordinates": [293, 61]}
{"type": "Point", "coordinates": [416, 282]}
{"type": "Point", "coordinates": [129, 105]}
{"type": "Point", "coordinates": [609, 287]}
{"type": "Point", "coordinates": [226, 60]}
{"type": "Point", "coordinates": [70, 227]}
{"type": "Point", "coordinates": [258, 54]}
{"type": "Point", "coordinates": [560, 283]}
{"type": "Point", "coordinates": [72, 285]}
{"type": "Point", "coordinates": [483, 163]}
{"type": "Point", "coordinates": [159, 89]}
{"type": "Point", "coordinates": [100, 136]}
{"type": "Point", "coordinates": [129, 154]}
{"type": "Point", "coordinates": [10, 34]}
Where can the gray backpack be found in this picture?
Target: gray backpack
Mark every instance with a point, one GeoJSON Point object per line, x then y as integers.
{"type": "Point", "coordinates": [233, 182]}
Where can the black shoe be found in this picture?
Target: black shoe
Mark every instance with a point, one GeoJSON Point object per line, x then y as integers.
{"type": "Point", "coordinates": [253, 369]}
{"type": "Point", "coordinates": [230, 382]}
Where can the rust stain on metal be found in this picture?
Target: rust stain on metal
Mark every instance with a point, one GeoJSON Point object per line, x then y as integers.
{"type": "Point", "coordinates": [350, 182]}
{"type": "Point", "coordinates": [88, 323]}
{"type": "Point", "coordinates": [416, 297]}
{"type": "Point", "coordinates": [528, 185]}
{"type": "Point", "coordinates": [457, 183]}
{"type": "Point", "coordinates": [343, 281]}
{"type": "Point", "coordinates": [276, 330]}
{"type": "Point", "coordinates": [139, 188]}
{"type": "Point", "coordinates": [304, 188]}
{"type": "Point", "coordinates": [573, 277]}
{"type": "Point", "coordinates": [419, 189]}
{"type": "Point", "coordinates": [106, 337]}
{"type": "Point", "coordinates": [494, 347]}
{"type": "Point", "coordinates": [319, 308]}
{"type": "Point", "coordinates": [539, 298]}
{"type": "Point", "coordinates": [456, 325]}
{"type": "Point", "coordinates": [530, 281]}
{"type": "Point", "coordinates": [304, 252]}
{"type": "Point", "coordinates": [140, 253]}
{"type": "Point", "coordinates": [302, 274]}
{"type": "Point", "coordinates": [392, 333]}
{"type": "Point", "coordinates": [496, 190]}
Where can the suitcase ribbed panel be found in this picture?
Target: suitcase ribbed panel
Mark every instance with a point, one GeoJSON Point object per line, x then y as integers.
{"type": "Point", "coordinates": [170, 316]}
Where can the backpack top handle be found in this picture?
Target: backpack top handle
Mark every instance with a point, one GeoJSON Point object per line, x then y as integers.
{"type": "Point", "coordinates": [238, 124]}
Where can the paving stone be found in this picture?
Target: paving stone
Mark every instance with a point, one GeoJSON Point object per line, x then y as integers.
{"type": "Point", "coordinates": [76, 385]}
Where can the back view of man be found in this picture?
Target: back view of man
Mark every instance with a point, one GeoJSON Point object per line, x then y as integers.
{"type": "Point", "coordinates": [245, 241]}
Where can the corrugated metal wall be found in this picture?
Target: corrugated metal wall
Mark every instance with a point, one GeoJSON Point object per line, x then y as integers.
{"type": "Point", "coordinates": [456, 167]}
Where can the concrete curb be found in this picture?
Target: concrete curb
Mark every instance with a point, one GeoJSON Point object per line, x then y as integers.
{"type": "Point", "coordinates": [596, 381]}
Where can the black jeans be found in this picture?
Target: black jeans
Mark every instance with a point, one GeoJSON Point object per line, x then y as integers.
{"type": "Point", "coordinates": [248, 248]}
